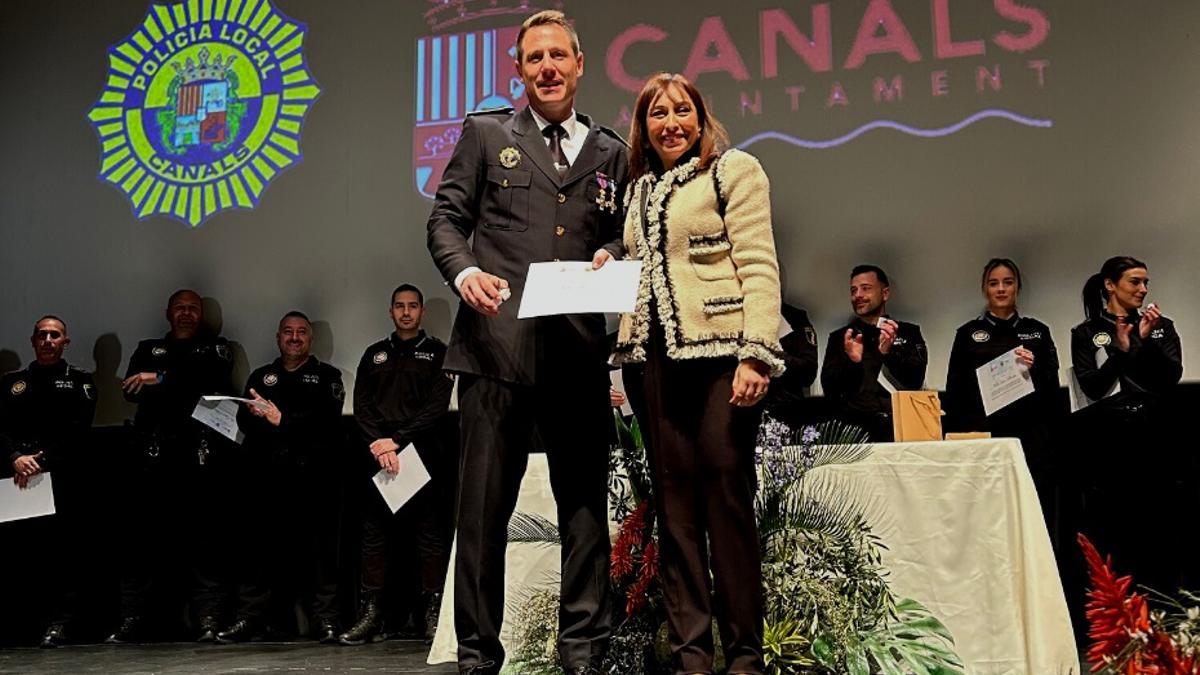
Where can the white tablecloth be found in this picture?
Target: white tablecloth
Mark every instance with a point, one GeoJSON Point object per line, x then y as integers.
{"type": "Point", "coordinates": [964, 535]}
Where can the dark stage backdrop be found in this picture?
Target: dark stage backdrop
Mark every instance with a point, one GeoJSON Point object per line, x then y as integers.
{"type": "Point", "coordinates": [924, 136]}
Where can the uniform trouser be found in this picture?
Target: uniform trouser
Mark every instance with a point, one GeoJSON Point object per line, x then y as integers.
{"type": "Point", "coordinates": [171, 537]}
{"type": "Point", "coordinates": [428, 519]}
{"type": "Point", "coordinates": [701, 455]}
{"type": "Point", "coordinates": [289, 543]}
{"type": "Point", "coordinates": [498, 424]}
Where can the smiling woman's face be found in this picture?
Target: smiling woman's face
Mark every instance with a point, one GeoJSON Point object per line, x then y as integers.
{"type": "Point", "coordinates": [672, 124]}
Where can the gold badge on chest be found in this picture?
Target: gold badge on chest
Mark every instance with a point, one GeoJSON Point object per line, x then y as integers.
{"type": "Point", "coordinates": [510, 157]}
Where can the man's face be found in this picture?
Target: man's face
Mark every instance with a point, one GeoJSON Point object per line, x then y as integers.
{"type": "Point", "coordinates": [184, 315]}
{"type": "Point", "coordinates": [407, 311]}
{"type": "Point", "coordinates": [867, 295]}
{"type": "Point", "coordinates": [1130, 291]}
{"type": "Point", "coordinates": [550, 68]}
{"type": "Point", "coordinates": [294, 337]}
{"type": "Point", "coordinates": [49, 340]}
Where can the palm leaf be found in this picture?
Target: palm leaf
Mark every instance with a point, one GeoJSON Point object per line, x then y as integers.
{"type": "Point", "coordinates": [528, 528]}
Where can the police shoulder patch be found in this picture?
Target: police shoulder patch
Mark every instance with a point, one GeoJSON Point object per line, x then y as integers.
{"type": "Point", "coordinates": [380, 357]}
{"type": "Point", "coordinates": [339, 391]}
{"type": "Point", "coordinates": [981, 336]}
{"type": "Point", "coordinates": [811, 335]}
{"type": "Point", "coordinates": [270, 379]}
{"type": "Point", "coordinates": [1101, 339]}
{"type": "Point", "coordinates": [224, 353]}
{"type": "Point", "coordinates": [18, 388]}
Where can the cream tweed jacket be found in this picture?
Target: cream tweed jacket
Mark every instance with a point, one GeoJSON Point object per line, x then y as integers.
{"type": "Point", "coordinates": [713, 282]}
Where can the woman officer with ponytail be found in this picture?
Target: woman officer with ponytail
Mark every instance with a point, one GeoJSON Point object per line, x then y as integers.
{"type": "Point", "coordinates": [1127, 358]}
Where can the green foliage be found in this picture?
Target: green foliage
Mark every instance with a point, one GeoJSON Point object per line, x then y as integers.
{"type": "Point", "coordinates": [536, 635]}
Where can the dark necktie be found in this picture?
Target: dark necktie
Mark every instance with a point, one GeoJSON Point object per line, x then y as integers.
{"type": "Point", "coordinates": [556, 132]}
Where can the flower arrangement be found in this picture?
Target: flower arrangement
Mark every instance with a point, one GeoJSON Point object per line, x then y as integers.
{"type": "Point", "coordinates": [1128, 636]}
{"type": "Point", "coordinates": [829, 608]}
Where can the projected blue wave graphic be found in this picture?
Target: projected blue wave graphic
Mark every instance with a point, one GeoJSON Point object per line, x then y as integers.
{"type": "Point", "coordinates": [898, 126]}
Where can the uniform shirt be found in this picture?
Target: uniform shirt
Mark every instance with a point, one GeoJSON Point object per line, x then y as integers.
{"type": "Point", "coordinates": [45, 409]}
{"type": "Point", "coordinates": [309, 399]}
{"type": "Point", "coordinates": [1151, 366]}
{"type": "Point", "coordinates": [799, 358]}
{"type": "Point", "coordinates": [188, 368]}
{"type": "Point", "coordinates": [979, 341]}
{"type": "Point", "coordinates": [855, 386]}
{"type": "Point", "coordinates": [400, 391]}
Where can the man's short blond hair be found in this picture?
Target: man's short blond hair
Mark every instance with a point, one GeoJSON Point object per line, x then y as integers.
{"type": "Point", "coordinates": [545, 18]}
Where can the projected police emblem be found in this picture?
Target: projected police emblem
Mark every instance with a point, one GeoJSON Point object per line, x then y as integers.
{"type": "Point", "coordinates": [202, 107]}
{"type": "Point", "coordinates": [461, 73]}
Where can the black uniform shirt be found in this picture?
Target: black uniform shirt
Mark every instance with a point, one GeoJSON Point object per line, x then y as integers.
{"type": "Point", "coordinates": [800, 358]}
{"type": "Point", "coordinates": [1151, 366]}
{"type": "Point", "coordinates": [981, 340]}
{"type": "Point", "coordinates": [45, 409]}
{"type": "Point", "coordinates": [188, 369]}
{"type": "Point", "coordinates": [400, 391]}
{"type": "Point", "coordinates": [309, 399]}
{"type": "Point", "coordinates": [855, 386]}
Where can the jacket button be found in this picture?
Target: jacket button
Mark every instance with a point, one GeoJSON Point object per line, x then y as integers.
{"type": "Point", "coordinates": [559, 230]}
{"type": "Point", "coordinates": [504, 183]}
{"type": "Point", "coordinates": [562, 199]}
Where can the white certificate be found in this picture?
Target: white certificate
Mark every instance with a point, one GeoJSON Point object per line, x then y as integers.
{"type": "Point", "coordinates": [573, 287]}
{"type": "Point", "coordinates": [617, 380]}
{"type": "Point", "coordinates": [1002, 381]}
{"type": "Point", "coordinates": [220, 415]}
{"type": "Point", "coordinates": [35, 499]}
{"type": "Point", "coordinates": [400, 488]}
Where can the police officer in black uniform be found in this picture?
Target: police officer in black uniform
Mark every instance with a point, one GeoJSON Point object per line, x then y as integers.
{"type": "Point", "coordinates": [1127, 358]}
{"type": "Point", "coordinates": [401, 396]}
{"type": "Point", "coordinates": [868, 348]}
{"type": "Point", "coordinates": [785, 398]}
{"type": "Point", "coordinates": [999, 330]}
{"type": "Point", "coordinates": [287, 476]}
{"type": "Point", "coordinates": [172, 490]}
{"type": "Point", "coordinates": [46, 411]}
{"type": "Point", "coordinates": [546, 183]}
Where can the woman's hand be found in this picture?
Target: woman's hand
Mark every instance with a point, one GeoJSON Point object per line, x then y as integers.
{"type": "Point", "coordinates": [1024, 357]}
{"type": "Point", "coordinates": [750, 382]}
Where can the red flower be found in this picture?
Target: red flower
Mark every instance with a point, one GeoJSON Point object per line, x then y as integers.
{"type": "Point", "coordinates": [628, 536]}
{"type": "Point", "coordinates": [1115, 615]}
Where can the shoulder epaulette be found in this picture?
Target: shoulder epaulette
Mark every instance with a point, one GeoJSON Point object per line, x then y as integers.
{"type": "Point", "coordinates": [605, 130]}
{"type": "Point", "coordinates": [504, 110]}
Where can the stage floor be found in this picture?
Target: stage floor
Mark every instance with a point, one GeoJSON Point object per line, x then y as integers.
{"type": "Point", "coordinates": [393, 656]}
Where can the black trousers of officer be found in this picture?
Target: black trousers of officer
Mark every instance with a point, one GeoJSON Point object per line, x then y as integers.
{"type": "Point", "coordinates": [570, 412]}
{"type": "Point", "coordinates": [171, 534]}
{"type": "Point", "coordinates": [288, 536]}
{"type": "Point", "coordinates": [701, 454]}
{"type": "Point", "coordinates": [426, 520]}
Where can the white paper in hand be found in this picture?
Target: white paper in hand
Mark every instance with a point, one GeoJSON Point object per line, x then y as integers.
{"type": "Point", "coordinates": [398, 489]}
{"type": "Point", "coordinates": [573, 287]}
{"type": "Point", "coordinates": [1002, 381]}
{"type": "Point", "coordinates": [219, 415]}
{"type": "Point", "coordinates": [35, 499]}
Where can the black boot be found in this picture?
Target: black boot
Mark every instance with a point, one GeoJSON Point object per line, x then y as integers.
{"type": "Point", "coordinates": [433, 609]}
{"type": "Point", "coordinates": [326, 632]}
{"type": "Point", "coordinates": [55, 636]}
{"type": "Point", "coordinates": [241, 630]}
{"type": "Point", "coordinates": [208, 629]}
{"type": "Point", "coordinates": [369, 627]}
{"type": "Point", "coordinates": [130, 630]}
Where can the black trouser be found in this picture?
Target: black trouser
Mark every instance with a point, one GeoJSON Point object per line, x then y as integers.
{"type": "Point", "coordinates": [169, 530]}
{"type": "Point", "coordinates": [289, 542]}
{"type": "Point", "coordinates": [701, 453]}
{"type": "Point", "coordinates": [498, 424]}
{"type": "Point", "coordinates": [878, 425]}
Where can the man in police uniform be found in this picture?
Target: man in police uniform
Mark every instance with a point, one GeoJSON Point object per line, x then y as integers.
{"type": "Point", "coordinates": [45, 413]}
{"type": "Point", "coordinates": [871, 350]}
{"type": "Point", "coordinates": [171, 494]}
{"type": "Point", "coordinates": [286, 469]}
{"type": "Point", "coordinates": [401, 395]}
{"type": "Point", "coordinates": [543, 184]}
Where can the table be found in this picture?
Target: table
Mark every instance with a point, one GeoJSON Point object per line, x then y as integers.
{"type": "Point", "coordinates": [964, 534]}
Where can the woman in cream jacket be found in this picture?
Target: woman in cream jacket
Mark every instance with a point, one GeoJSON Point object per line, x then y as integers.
{"type": "Point", "coordinates": [699, 349]}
